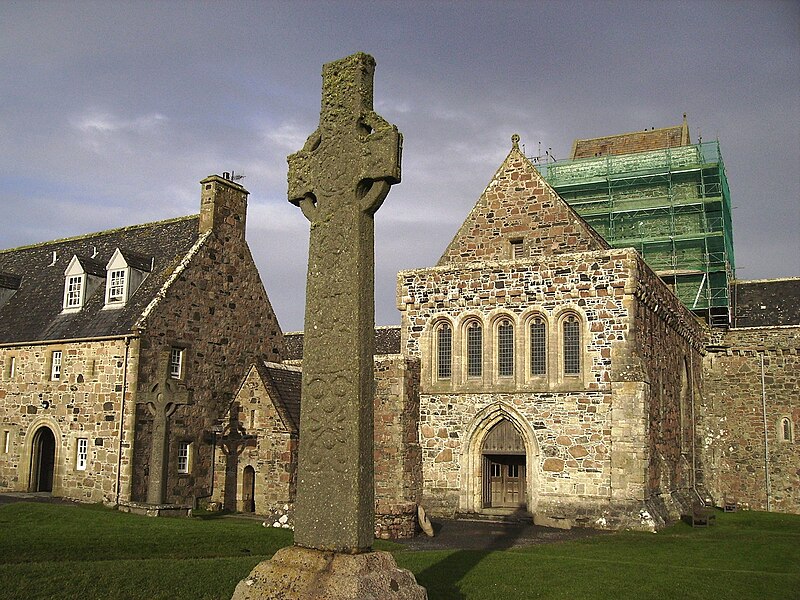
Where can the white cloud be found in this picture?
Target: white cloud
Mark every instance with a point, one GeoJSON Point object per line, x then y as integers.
{"type": "Point", "coordinates": [105, 122]}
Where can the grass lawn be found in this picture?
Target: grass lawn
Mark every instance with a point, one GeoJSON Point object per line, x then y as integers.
{"type": "Point", "coordinates": [87, 552]}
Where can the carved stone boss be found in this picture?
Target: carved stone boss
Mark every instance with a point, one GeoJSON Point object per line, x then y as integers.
{"type": "Point", "coordinates": [162, 400]}
{"type": "Point", "coordinates": [339, 180]}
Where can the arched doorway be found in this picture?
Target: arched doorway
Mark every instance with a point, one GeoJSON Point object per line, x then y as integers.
{"type": "Point", "coordinates": [249, 489]}
{"type": "Point", "coordinates": [43, 460]}
{"type": "Point", "coordinates": [504, 468]}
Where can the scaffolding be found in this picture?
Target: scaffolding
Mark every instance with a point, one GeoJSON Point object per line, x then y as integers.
{"type": "Point", "coordinates": [672, 205]}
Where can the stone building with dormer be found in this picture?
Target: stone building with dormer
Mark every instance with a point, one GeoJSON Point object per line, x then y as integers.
{"type": "Point", "coordinates": [121, 350]}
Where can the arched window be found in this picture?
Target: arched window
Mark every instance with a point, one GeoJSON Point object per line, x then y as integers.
{"type": "Point", "coordinates": [505, 348]}
{"type": "Point", "coordinates": [444, 351]}
{"type": "Point", "coordinates": [474, 349]}
{"type": "Point", "coordinates": [538, 347]}
{"type": "Point", "coordinates": [786, 429]}
{"type": "Point", "coordinates": [572, 345]}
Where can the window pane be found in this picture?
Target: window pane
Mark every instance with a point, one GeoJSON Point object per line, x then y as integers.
{"type": "Point", "coordinates": [474, 350]}
{"type": "Point", "coordinates": [445, 351]}
{"type": "Point", "coordinates": [116, 286]}
{"type": "Point", "coordinates": [538, 348]}
{"type": "Point", "coordinates": [74, 290]}
{"type": "Point", "coordinates": [175, 362]}
{"type": "Point", "coordinates": [83, 454]}
{"type": "Point", "coordinates": [183, 457]}
{"type": "Point", "coordinates": [505, 349]}
{"type": "Point", "coordinates": [572, 346]}
{"type": "Point", "coordinates": [55, 373]}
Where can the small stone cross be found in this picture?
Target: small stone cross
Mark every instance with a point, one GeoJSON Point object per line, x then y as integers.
{"type": "Point", "coordinates": [339, 179]}
{"type": "Point", "coordinates": [162, 400]}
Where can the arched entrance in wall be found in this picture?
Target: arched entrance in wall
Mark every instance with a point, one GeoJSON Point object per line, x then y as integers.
{"type": "Point", "coordinates": [249, 489]}
{"type": "Point", "coordinates": [504, 468]}
{"type": "Point", "coordinates": [43, 460]}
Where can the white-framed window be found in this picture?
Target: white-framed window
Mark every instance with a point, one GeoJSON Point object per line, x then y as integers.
{"type": "Point", "coordinates": [6, 441]}
{"type": "Point", "coordinates": [12, 367]}
{"type": "Point", "coordinates": [55, 365]}
{"type": "Point", "coordinates": [115, 286]}
{"type": "Point", "coordinates": [82, 454]}
{"type": "Point", "coordinates": [572, 345]}
{"type": "Point", "coordinates": [444, 351]}
{"type": "Point", "coordinates": [176, 363]}
{"type": "Point", "coordinates": [73, 294]}
{"type": "Point", "coordinates": [505, 348]}
{"type": "Point", "coordinates": [184, 457]}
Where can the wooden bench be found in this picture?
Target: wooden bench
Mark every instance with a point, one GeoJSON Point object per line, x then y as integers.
{"type": "Point", "coordinates": [703, 516]}
{"type": "Point", "coordinates": [730, 504]}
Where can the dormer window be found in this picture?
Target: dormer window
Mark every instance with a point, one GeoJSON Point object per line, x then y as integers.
{"type": "Point", "coordinates": [124, 273]}
{"type": "Point", "coordinates": [116, 286]}
{"type": "Point", "coordinates": [82, 277]}
{"type": "Point", "coordinates": [9, 284]}
{"type": "Point", "coordinates": [74, 292]}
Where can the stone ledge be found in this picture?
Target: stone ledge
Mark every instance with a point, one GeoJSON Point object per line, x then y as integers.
{"type": "Point", "coordinates": [155, 510]}
{"type": "Point", "coordinates": [305, 574]}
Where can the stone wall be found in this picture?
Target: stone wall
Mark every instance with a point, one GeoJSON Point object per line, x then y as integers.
{"type": "Point", "coordinates": [600, 445]}
{"type": "Point", "coordinates": [398, 467]}
{"type": "Point", "coordinates": [86, 402]}
{"type": "Point", "coordinates": [668, 360]}
{"type": "Point", "coordinates": [519, 215]}
{"type": "Point", "coordinates": [255, 435]}
{"type": "Point", "coordinates": [734, 421]}
{"type": "Point", "coordinates": [565, 421]}
{"type": "Point", "coordinates": [217, 309]}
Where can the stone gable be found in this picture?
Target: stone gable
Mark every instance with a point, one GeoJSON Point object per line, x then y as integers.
{"type": "Point", "coordinates": [519, 216]}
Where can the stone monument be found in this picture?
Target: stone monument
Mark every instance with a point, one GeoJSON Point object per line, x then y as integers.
{"type": "Point", "coordinates": [339, 179]}
{"type": "Point", "coordinates": [161, 400]}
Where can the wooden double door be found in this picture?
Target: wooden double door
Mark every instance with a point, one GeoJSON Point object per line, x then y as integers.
{"type": "Point", "coordinates": [504, 477]}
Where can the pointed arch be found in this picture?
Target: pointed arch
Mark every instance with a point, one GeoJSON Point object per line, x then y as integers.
{"type": "Point", "coordinates": [470, 499]}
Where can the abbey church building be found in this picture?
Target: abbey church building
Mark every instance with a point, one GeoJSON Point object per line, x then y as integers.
{"type": "Point", "coordinates": [582, 354]}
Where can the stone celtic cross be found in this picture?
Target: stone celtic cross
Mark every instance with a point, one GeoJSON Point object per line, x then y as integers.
{"type": "Point", "coordinates": [162, 400]}
{"type": "Point", "coordinates": [339, 180]}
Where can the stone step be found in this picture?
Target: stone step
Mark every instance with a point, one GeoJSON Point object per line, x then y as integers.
{"type": "Point", "coordinates": [497, 516]}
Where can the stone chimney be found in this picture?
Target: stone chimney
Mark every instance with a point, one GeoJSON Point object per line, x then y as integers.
{"type": "Point", "coordinates": [223, 207]}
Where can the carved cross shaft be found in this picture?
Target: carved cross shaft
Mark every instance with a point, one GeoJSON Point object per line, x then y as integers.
{"type": "Point", "coordinates": [340, 179]}
{"type": "Point", "coordinates": [162, 400]}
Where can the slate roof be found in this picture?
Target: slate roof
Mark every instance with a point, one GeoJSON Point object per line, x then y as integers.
{"type": "Point", "coordinates": [34, 311]}
{"type": "Point", "coordinates": [387, 341]}
{"type": "Point", "coordinates": [283, 383]}
{"type": "Point", "coordinates": [766, 302]}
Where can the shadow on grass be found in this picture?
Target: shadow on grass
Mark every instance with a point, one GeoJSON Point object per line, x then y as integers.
{"type": "Point", "coordinates": [206, 515]}
{"type": "Point", "coordinates": [442, 578]}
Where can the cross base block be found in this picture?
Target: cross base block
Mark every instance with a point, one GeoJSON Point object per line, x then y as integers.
{"type": "Point", "coordinates": [299, 573]}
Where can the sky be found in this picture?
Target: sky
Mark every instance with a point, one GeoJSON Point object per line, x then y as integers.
{"type": "Point", "coordinates": [112, 112]}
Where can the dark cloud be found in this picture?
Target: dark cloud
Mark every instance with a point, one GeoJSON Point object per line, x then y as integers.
{"type": "Point", "coordinates": [110, 113]}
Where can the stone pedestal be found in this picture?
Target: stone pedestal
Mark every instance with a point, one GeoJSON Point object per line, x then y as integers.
{"type": "Point", "coordinates": [297, 573]}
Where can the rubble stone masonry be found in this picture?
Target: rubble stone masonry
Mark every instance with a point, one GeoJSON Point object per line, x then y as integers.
{"type": "Point", "coordinates": [89, 400]}
{"type": "Point", "coordinates": [752, 383]}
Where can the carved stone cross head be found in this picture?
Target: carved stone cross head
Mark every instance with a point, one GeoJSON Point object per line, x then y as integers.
{"type": "Point", "coordinates": [163, 396]}
{"type": "Point", "coordinates": [354, 155]}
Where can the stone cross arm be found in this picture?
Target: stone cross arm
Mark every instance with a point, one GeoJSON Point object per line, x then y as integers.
{"type": "Point", "coordinates": [352, 148]}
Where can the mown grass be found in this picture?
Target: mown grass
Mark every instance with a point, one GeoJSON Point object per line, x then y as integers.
{"type": "Point", "coordinates": [57, 551]}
